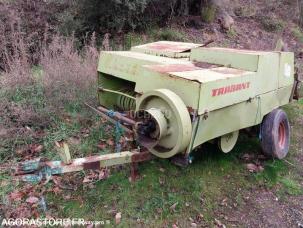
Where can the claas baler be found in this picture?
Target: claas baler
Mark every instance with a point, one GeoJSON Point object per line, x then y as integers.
{"type": "Point", "coordinates": [171, 97]}
{"type": "Point", "coordinates": [182, 95]}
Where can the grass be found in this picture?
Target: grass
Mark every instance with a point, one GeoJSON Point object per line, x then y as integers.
{"type": "Point", "coordinates": [55, 126]}
{"type": "Point", "coordinates": [198, 189]}
{"type": "Point", "coordinates": [291, 186]}
{"type": "Point", "coordinates": [195, 191]}
{"type": "Point", "coordinates": [272, 170]}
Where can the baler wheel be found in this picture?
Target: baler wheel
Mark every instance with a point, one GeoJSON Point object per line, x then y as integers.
{"type": "Point", "coordinates": [275, 133]}
{"type": "Point", "coordinates": [227, 142]}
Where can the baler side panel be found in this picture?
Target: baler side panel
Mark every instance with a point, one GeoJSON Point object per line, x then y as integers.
{"type": "Point", "coordinates": [243, 60]}
{"type": "Point", "coordinates": [239, 116]}
{"type": "Point", "coordinates": [225, 92]}
{"type": "Point", "coordinates": [126, 64]}
{"type": "Point", "coordinates": [187, 90]}
{"type": "Point", "coordinates": [286, 69]}
{"type": "Point", "coordinates": [268, 71]}
{"type": "Point", "coordinates": [284, 94]}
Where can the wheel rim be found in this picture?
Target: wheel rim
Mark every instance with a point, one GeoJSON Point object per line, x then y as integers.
{"type": "Point", "coordinates": [282, 135]}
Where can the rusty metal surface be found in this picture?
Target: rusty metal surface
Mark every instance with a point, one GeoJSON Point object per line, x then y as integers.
{"type": "Point", "coordinates": [296, 87]}
{"type": "Point", "coordinates": [93, 165]}
{"type": "Point", "coordinates": [206, 65]}
{"type": "Point", "coordinates": [142, 156]}
{"type": "Point", "coordinates": [168, 46]}
{"type": "Point", "coordinates": [173, 68]}
{"type": "Point", "coordinates": [111, 120]}
{"type": "Point", "coordinates": [198, 74]}
{"type": "Point", "coordinates": [38, 170]}
{"type": "Point", "coordinates": [117, 116]}
{"type": "Point", "coordinates": [134, 172]}
{"type": "Point", "coordinates": [225, 70]}
{"type": "Point", "coordinates": [209, 75]}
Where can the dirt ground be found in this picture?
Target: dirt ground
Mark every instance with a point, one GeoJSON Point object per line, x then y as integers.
{"type": "Point", "coordinates": [262, 208]}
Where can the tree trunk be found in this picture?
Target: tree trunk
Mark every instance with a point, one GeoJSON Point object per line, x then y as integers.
{"type": "Point", "coordinates": [300, 6]}
{"type": "Point", "coordinates": [184, 9]}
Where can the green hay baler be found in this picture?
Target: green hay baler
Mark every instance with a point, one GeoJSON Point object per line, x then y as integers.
{"type": "Point", "coordinates": [182, 95]}
{"type": "Point", "coordinates": [172, 97]}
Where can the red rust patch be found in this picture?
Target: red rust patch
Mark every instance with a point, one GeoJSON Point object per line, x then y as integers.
{"type": "Point", "coordinates": [206, 65]}
{"type": "Point", "coordinates": [92, 165]}
{"type": "Point", "coordinates": [174, 68]}
{"type": "Point", "coordinates": [142, 156]}
{"type": "Point", "coordinates": [168, 47]}
{"type": "Point", "coordinates": [225, 70]}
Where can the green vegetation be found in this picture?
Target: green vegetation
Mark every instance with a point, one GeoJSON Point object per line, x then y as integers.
{"type": "Point", "coordinates": [298, 34]}
{"type": "Point", "coordinates": [171, 34]}
{"type": "Point", "coordinates": [45, 106]}
{"type": "Point", "coordinates": [271, 24]}
{"type": "Point", "coordinates": [232, 33]}
{"type": "Point", "coordinates": [30, 111]}
{"type": "Point", "coordinates": [208, 13]}
{"type": "Point", "coordinates": [245, 11]}
{"type": "Point", "coordinates": [193, 190]}
{"type": "Point", "coordinates": [164, 194]}
{"type": "Point", "coordinates": [291, 186]}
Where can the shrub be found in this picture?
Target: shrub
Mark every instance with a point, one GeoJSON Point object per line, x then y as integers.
{"type": "Point", "coordinates": [113, 15]}
{"type": "Point", "coordinates": [170, 34]}
{"type": "Point", "coordinates": [298, 34]}
{"type": "Point", "coordinates": [64, 73]}
{"type": "Point", "coordinates": [116, 16]}
{"type": "Point", "coordinates": [14, 58]}
{"type": "Point", "coordinates": [80, 17]}
{"type": "Point", "coordinates": [208, 13]}
{"type": "Point", "coordinates": [68, 74]}
{"type": "Point", "coordinates": [271, 23]}
{"type": "Point", "coordinates": [26, 23]}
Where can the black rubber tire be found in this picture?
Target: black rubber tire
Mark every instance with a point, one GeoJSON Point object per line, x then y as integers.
{"type": "Point", "coordinates": [275, 134]}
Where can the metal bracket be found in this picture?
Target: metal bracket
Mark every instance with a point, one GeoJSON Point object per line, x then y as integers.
{"type": "Point", "coordinates": [295, 90]}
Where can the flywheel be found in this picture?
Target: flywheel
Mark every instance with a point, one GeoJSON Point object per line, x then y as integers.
{"type": "Point", "coordinates": [163, 123]}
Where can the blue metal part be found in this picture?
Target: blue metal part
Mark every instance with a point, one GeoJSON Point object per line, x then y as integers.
{"type": "Point", "coordinates": [30, 166]}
